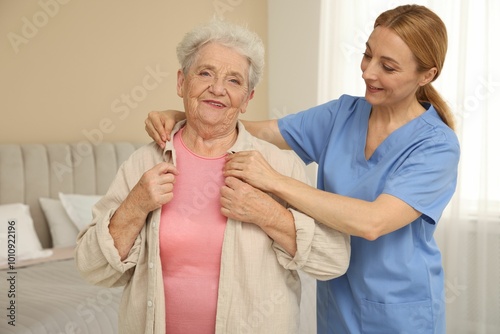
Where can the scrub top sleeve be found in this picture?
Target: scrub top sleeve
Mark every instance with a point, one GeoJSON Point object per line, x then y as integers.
{"type": "Point", "coordinates": [307, 131]}
{"type": "Point", "coordinates": [427, 178]}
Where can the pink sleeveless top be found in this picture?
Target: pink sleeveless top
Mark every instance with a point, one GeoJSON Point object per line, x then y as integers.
{"type": "Point", "coordinates": [191, 234]}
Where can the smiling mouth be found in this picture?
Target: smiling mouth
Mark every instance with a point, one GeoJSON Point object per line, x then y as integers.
{"type": "Point", "coordinates": [372, 87]}
{"type": "Point", "coordinates": [215, 103]}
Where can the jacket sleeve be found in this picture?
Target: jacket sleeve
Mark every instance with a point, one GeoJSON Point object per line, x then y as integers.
{"type": "Point", "coordinates": [96, 257]}
{"type": "Point", "coordinates": [322, 252]}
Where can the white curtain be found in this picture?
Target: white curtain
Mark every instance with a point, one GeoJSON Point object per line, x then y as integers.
{"type": "Point", "coordinates": [469, 231]}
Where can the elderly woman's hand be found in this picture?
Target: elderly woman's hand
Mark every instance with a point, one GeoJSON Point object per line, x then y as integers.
{"type": "Point", "coordinates": [251, 167]}
{"type": "Point", "coordinates": [154, 189]}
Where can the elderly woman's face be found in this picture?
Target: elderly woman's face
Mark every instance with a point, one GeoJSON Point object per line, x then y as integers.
{"type": "Point", "coordinates": [215, 89]}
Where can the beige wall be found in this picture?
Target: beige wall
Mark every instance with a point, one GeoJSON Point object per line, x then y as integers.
{"type": "Point", "coordinates": [73, 70]}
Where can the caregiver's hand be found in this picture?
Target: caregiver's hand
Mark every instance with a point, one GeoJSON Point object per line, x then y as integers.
{"type": "Point", "coordinates": [159, 124]}
{"type": "Point", "coordinates": [251, 167]}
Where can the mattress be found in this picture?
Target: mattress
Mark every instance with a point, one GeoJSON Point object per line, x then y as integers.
{"type": "Point", "coordinates": [49, 296]}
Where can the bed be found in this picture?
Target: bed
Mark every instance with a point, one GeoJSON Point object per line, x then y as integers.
{"type": "Point", "coordinates": [46, 192]}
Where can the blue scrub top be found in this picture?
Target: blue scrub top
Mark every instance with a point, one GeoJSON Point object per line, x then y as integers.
{"type": "Point", "coordinates": [394, 284]}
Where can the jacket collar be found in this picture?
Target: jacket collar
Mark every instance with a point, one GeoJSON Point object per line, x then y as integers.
{"type": "Point", "coordinates": [244, 142]}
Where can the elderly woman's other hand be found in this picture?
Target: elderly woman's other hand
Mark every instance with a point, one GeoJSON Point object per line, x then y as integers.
{"type": "Point", "coordinates": [242, 202]}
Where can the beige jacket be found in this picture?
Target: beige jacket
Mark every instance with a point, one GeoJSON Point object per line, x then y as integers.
{"type": "Point", "coordinates": [259, 287]}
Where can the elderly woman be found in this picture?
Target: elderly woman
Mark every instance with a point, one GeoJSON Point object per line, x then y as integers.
{"type": "Point", "coordinates": [172, 228]}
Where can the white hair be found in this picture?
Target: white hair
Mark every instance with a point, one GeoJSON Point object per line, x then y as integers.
{"type": "Point", "coordinates": [239, 38]}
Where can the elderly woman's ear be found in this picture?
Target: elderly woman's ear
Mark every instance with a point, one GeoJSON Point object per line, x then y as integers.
{"type": "Point", "coordinates": [180, 83]}
{"type": "Point", "coordinates": [244, 105]}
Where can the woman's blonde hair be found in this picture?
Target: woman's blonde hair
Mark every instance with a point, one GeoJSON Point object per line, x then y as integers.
{"type": "Point", "coordinates": [425, 34]}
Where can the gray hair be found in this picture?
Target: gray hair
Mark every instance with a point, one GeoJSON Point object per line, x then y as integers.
{"type": "Point", "coordinates": [239, 38]}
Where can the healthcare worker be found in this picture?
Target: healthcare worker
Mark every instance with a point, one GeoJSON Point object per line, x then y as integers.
{"type": "Point", "coordinates": [387, 168]}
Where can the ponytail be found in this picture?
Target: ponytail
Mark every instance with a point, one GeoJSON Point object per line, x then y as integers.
{"type": "Point", "coordinates": [429, 94]}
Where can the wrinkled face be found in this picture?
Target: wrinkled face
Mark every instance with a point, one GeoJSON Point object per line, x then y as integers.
{"type": "Point", "coordinates": [215, 89]}
{"type": "Point", "coordinates": [390, 70]}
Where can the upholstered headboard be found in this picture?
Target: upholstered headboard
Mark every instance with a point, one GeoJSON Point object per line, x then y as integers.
{"type": "Point", "coordinates": [31, 171]}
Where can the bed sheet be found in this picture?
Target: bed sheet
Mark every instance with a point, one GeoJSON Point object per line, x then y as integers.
{"type": "Point", "coordinates": [50, 297]}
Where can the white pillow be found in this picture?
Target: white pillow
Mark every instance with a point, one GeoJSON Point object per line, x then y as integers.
{"type": "Point", "coordinates": [79, 208]}
{"type": "Point", "coordinates": [18, 238]}
{"type": "Point", "coordinates": [62, 228]}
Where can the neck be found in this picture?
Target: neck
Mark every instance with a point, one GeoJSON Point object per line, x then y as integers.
{"type": "Point", "coordinates": [208, 143]}
{"type": "Point", "coordinates": [395, 117]}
